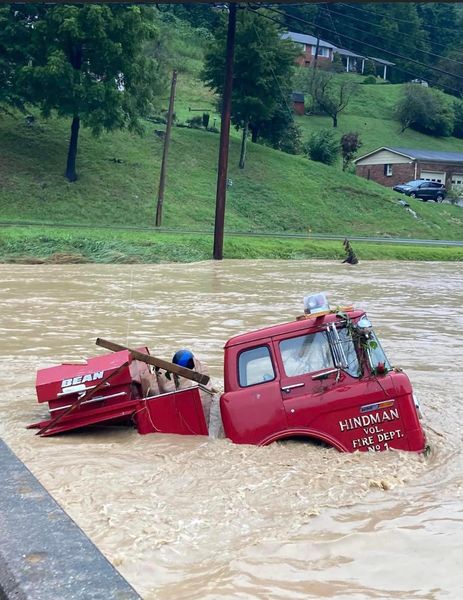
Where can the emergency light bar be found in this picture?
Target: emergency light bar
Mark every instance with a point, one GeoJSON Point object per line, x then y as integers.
{"type": "Point", "coordinates": [316, 303]}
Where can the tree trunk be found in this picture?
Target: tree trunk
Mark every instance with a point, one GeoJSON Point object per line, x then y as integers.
{"type": "Point", "coordinates": [243, 145]}
{"type": "Point", "coordinates": [254, 134]}
{"type": "Point", "coordinates": [335, 120]}
{"type": "Point", "coordinates": [72, 150]}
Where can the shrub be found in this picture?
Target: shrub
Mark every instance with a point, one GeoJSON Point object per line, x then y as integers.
{"type": "Point", "coordinates": [350, 143]}
{"type": "Point", "coordinates": [369, 68]}
{"type": "Point", "coordinates": [195, 122]}
{"type": "Point", "coordinates": [426, 110]}
{"type": "Point", "coordinates": [323, 146]}
{"type": "Point", "coordinates": [369, 80]}
{"type": "Point", "coordinates": [336, 64]}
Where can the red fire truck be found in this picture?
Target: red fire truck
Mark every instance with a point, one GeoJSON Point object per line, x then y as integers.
{"type": "Point", "coordinates": [323, 376]}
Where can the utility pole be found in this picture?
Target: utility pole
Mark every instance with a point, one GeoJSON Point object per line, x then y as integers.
{"type": "Point", "coordinates": [224, 136]}
{"type": "Point", "coordinates": [162, 177]}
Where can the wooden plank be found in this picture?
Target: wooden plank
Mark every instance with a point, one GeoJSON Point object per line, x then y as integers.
{"type": "Point", "coordinates": [156, 362]}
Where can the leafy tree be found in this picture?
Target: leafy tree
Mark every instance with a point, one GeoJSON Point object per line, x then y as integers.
{"type": "Point", "coordinates": [281, 132]}
{"type": "Point", "coordinates": [458, 124]}
{"type": "Point", "coordinates": [350, 144]}
{"type": "Point", "coordinates": [263, 66]}
{"type": "Point", "coordinates": [452, 63]}
{"type": "Point", "coordinates": [13, 55]}
{"type": "Point", "coordinates": [329, 94]}
{"type": "Point", "coordinates": [323, 146]}
{"type": "Point", "coordinates": [426, 110]}
{"type": "Point", "coordinates": [87, 62]}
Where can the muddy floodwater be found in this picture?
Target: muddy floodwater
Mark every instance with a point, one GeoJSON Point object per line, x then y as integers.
{"type": "Point", "coordinates": [185, 517]}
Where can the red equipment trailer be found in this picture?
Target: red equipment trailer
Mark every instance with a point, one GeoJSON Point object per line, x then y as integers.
{"type": "Point", "coordinates": [323, 376]}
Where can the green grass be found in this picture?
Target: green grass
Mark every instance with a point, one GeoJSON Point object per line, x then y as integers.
{"type": "Point", "coordinates": [370, 112]}
{"type": "Point", "coordinates": [54, 245]}
{"type": "Point", "coordinates": [276, 192]}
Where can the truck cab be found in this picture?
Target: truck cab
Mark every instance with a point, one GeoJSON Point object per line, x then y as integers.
{"type": "Point", "coordinates": [323, 376]}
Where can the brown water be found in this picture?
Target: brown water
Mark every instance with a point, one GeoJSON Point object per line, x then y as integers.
{"type": "Point", "coordinates": [193, 518]}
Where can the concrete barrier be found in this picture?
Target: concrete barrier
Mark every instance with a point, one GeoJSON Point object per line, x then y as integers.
{"type": "Point", "coordinates": [43, 553]}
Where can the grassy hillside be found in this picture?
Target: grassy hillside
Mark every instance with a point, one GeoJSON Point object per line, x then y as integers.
{"type": "Point", "coordinates": [276, 192]}
{"type": "Point", "coordinates": [371, 113]}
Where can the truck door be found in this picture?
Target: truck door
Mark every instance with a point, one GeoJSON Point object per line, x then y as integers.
{"type": "Point", "coordinates": [253, 411]}
{"type": "Point", "coordinates": [329, 398]}
{"type": "Point", "coordinates": [300, 358]}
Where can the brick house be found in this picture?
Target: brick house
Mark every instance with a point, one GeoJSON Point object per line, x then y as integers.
{"type": "Point", "coordinates": [391, 166]}
{"type": "Point", "coordinates": [326, 51]}
{"type": "Point", "coordinates": [308, 45]}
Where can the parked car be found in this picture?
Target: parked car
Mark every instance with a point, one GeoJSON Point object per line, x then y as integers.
{"type": "Point", "coordinates": [422, 188]}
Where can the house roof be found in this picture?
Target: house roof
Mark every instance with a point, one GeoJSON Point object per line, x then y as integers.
{"type": "Point", "coordinates": [297, 97]}
{"type": "Point", "coordinates": [431, 155]}
{"type": "Point", "coordinates": [301, 38]}
{"type": "Point", "coordinates": [347, 53]}
{"type": "Point", "coordinates": [381, 61]}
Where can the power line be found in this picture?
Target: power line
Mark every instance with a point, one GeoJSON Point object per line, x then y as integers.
{"type": "Point", "coordinates": [331, 11]}
{"type": "Point", "coordinates": [395, 54]}
{"type": "Point", "coordinates": [400, 69]}
{"type": "Point", "coordinates": [398, 19]}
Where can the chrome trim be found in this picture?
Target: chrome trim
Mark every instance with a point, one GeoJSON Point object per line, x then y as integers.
{"type": "Point", "coordinates": [288, 388]}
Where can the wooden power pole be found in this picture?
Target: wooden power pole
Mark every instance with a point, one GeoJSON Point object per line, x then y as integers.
{"type": "Point", "coordinates": [224, 137]}
{"type": "Point", "coordinates": [162, 178]}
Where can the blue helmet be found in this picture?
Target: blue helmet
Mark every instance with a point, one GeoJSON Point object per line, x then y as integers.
{"type": "Point", "coordinates": [184, 358]}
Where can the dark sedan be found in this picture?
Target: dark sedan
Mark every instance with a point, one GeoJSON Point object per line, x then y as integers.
{"type": "Point", "coordinates": [421, 188]}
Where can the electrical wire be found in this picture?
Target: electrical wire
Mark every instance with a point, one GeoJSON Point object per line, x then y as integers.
{"type": "Point", "coordinates": [332, 12]}
{"type": "Point", "coordinates": [398, 19]}
{"type": "Point", "coordinates": [395, 54]}
{"type": "Point", "coordinates": [397, 68]}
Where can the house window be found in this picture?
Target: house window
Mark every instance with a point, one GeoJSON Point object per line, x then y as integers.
{"type": "Point", "coordinates": [322, 51]}
{"type": "Point", "coordinates": [388, 170]}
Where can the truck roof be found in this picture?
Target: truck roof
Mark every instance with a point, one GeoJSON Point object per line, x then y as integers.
{"type": "Point", "coordinates": [302, 325]}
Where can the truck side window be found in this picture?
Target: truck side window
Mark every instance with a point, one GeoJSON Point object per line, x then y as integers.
{"type": "Point", "coordinates": [255, 366]}
{"type": "Point", "coordinates": [306, 354]}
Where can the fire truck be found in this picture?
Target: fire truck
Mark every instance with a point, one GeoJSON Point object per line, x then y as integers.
{"type": "Point", "coordinates": [323, 376]}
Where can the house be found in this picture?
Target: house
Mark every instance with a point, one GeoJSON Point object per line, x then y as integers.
{"type": "Point", "coordinates": [391, 165]}
{"type": "Point", "coordinates": [297, 98]}
{"type": "Point", "coordinates": [326, 51]}
{"type": "Point", "coordinates": [308, 45]}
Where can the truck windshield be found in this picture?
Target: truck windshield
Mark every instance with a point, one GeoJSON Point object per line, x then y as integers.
{"type": "Point", "coordinates": [376, 355]}
{"type": "Point", "coordinates": [305, 354]}
{"type": "Point", "coordinates": [313, 352]}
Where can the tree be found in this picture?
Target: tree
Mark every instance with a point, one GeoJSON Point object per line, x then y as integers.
{"type": "Point", "coordinates": [87, 62]}
{"type": "Point", "coordinates": [281, 132]}
{"type": "Point", "coordinates": [453, 65]}
{"type": "Point", "coordinates": [426, 110]}
{"type": "Point", "coordinates": [458, 124]}
{"type": "Point", "coordinates": [330, 95]}
{"type": "Point", "coordinates": [350, 144]}
{"type": "Point", "coordinates": [13, 56]}
{"type": "Point", "coordinates": [263, 67]}
{"type": "Point", "coordinates": [323, 146]}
